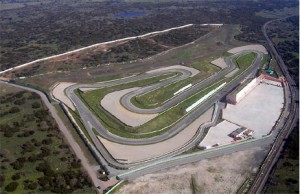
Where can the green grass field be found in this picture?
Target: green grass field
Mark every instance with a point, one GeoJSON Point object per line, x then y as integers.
{"type": "Point", "coordinates": [157, 97]}
{"type": "Point", "coordinates": [244, 61]}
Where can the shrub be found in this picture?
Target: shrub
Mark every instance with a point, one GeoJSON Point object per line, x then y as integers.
{"type": "Point", "coordinates": [16, 176]}
{"type": "Point", "coordinates": [14, 110]}
{"type": "Point", "coordinates": [17, 165]}
{"type": "Point", "coordinates": [11, 186]}
{"type": "Point", "coordinates": [36, 105]}
{"type": "Point", "coordinates": [2, 179]}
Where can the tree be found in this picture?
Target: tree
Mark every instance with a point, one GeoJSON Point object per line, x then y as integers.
{"type": "Point", "coordinates": [16, 177]}
{"type": "Point", "coordinates": [11, 186]}
{"type": "Point", "coordinates": [36, 105]}
{"type": "Point", "coordinates": [2, 179]}
{"type": "Point", "coordinates": [14, 110]}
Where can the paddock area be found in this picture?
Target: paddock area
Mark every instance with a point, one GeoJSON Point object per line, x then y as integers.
{"type": "Point", "coordinates": [259, 110]}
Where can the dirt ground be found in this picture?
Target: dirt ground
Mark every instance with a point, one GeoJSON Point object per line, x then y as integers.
{"type": "Point", "coordinates": [220, 175]}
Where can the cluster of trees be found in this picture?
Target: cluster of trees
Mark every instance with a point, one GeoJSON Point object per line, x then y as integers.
{"type": "Point", "coordinates": [134, 49]}
{"type": "Point", "coordinates": [25, 37]}
{"type": "Point", "coordinates": [181, 36]}
{"type": "Point", "coordinates": [287, 44]}
{"type": "Point", "coordinates": [33, 141]}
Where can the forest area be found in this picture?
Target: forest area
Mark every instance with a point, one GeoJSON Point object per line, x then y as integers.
{"type": "Point", "coordinates": [36, 157]}
{"type": "Point", "coordinates": [285, 175]}
{"type": "Point", "coordinates": [45, 29]}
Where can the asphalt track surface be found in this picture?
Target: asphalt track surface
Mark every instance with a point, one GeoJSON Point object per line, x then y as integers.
{"type": "Point", "coordinates": [90, 121]}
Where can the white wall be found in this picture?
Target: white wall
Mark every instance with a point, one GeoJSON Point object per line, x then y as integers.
{"type": "Point", "coordinates": [241, 94]}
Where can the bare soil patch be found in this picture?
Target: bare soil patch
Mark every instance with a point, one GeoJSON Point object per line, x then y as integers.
{"type": "Point", "coordinates": [220, 175]}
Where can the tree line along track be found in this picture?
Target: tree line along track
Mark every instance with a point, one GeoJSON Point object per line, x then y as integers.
{"type": "Point", "coordinates": [289, 122]}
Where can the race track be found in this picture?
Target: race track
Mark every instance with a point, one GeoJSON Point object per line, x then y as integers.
{"type": "Point", "coordinates": [90, 121]}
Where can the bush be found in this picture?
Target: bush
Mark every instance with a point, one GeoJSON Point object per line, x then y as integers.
{"type": "Point", "coordinates": [36, 105]}
{"type": "Point", "coordinates": [16, 177]}
{"type": "Point", "coordinates": [2, 179]}
{"type": "Point", "coordinates": [47, 141]}
{"type": "Point", "coordinates": [17, 165]}
{"type": "Point", "coordinates": [11, 186]}
{"type": "Point", "coordinates": [14, 110]}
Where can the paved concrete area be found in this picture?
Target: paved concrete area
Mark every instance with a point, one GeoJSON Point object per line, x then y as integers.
{"type": "Point", "coordinates": [134, 153]}
{"type": "Point", "coordinates": [111, 103]}
{"type": "Point", "coordinates": [232, 73]}
{"type": "Point", "coordinates": [256, 47]}
{"type": "Point", "coordinates": [259, 110]}
{"type": "Point", "coordinates": [219, 134]}
{"type": "Point", "coordinates": [220, 62]}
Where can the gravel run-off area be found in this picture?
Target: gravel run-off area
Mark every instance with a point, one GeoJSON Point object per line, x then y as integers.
{"type": "Point", "coordinates": [59, 94]}
{"type": "Point", "coordinates": [220, 62]}
{"type": "Point", "coordinates": [221, 175]}
{"type": "Point", "coordinates": [111, 103]}
{"type": "Point", "coordinates": [136, 153]}
{"type": "Point", "coordinates": [192, 70]}
{"type": "Point", "coordinates": [256, 47]}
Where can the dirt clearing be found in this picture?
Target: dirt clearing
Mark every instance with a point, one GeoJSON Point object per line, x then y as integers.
{"type": "Point", "coordinates": [220, 175]}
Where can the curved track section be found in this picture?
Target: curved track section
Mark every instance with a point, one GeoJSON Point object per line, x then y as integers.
{"type": "Point", "coordinates": [90, 120]}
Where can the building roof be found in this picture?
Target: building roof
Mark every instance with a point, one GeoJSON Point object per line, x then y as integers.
{"type": "Point", "coordinates": [237, 132]}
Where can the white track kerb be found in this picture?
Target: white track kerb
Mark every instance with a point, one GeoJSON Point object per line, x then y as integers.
{"type": "Point", "coordinates": [209, 94]}
{"type": "Point", "coordinates": [182, 89]}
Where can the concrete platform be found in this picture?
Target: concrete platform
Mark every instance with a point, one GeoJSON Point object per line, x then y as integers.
{"type": "Point", "coordinates": [219, 134]}
{"type": "Point", "coordinates": [259, 110]}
